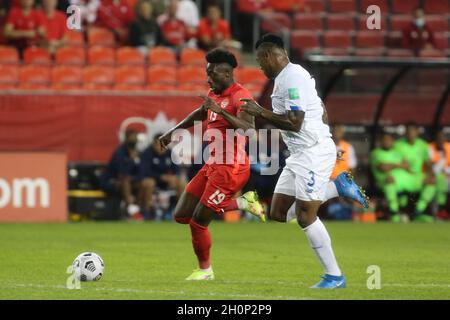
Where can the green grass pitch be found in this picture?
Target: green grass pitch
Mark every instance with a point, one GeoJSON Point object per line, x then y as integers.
{"type": "Point", "coordinates": [251, 261]}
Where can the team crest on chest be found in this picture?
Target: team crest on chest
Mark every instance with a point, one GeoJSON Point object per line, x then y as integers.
{"type": "Point", "coordinates": [224, 104]}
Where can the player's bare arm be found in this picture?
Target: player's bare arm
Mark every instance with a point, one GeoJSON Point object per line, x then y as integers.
{"type": "Point", "coordinates": [291, 120]}
{"type": "Point", "coordinates": [198, 114]}
{"type": "Point", "coordinates": [242, 121]}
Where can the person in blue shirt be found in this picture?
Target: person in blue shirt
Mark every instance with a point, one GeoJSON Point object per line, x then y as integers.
{"type": "Point", "coordinates": [122, 172]}
{"type": "Point", "coordinates": [157, 172]}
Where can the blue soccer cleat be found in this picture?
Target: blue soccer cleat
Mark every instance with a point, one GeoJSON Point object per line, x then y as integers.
{"type": "Point", "coordinates": [348, 188]}
{"type": "Point", "coordinates": [330, 282]}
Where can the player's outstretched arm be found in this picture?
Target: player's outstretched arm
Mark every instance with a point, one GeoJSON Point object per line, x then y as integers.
{"type": "Point", "coordinates": [199, 114]}
{"type": "Point", "coordinates": [291, 120]}
{"type": "Point", "coordinates": [242, 121]}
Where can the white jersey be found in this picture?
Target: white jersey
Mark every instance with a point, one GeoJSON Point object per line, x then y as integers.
{"type": "Point", "coordinates": [295, 89]}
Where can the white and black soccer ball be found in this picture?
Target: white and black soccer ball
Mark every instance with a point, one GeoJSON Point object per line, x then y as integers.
{"type": "Point", "coordinates": [88, 266]}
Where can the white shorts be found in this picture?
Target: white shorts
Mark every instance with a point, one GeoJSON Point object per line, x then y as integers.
{"type": "Point", "coordinates": [307, 173]}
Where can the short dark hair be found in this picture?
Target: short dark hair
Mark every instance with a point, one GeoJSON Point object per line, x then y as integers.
{"type": "Point", "coordinates": [270, 38]}
{"type": "Point", "coordinates": [130, 131]}
{"type": "Point", "coordinates": [412, 124]}
{"type": "Point", "coordinates": [219, 55]}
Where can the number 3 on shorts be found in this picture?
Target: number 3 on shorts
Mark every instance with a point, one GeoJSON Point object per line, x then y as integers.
{"type": "Point", "coordinates": [217, 197]}
{"type": "Point", "coordinates": [311, 182]}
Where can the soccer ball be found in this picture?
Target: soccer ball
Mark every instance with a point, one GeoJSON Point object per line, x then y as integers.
{"type": "Point", "coordinates": [88, 266]}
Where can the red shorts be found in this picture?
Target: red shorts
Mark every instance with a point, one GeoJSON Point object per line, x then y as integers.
{"type": "Point", "coordinates": [215, 185]}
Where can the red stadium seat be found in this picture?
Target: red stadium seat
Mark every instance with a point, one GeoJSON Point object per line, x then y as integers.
{"type": "Point", "coordinates": [8, 55]}
{"type": "Point", "coordinates": [161, 55]}
{"type": "Point", "coordinates": [369, 39]}
{"type": "Point", "coordinates": [400, 53]}
{"type": "Point", "coordinates": [304, 21]}
{"type": "Point", "coordinates": [255, 88]}
{"type": "Point", "coordinates": [394, 39]}
{"type": "Point", "coordinates": [305, 41]}
{"type": "Point", "coordinates": [399, 22]}
{"type": "Point", "coordinates": [70, 56]}
{"type": "Point", "coordinates": [432, 53]}
{"type": "Point", "coordinates": [33, 86]}
{"type": "Point", "coordinates": [442, 39]}
{"type": "Point", "coordinates": [343, 22]}
{"type": "Point", "coordinates": [274, 21]}
{"type": "Point", "coordinates": [191, 74]}
{"type": "Point", "coordinates": [66, 86]}
{"type": "Point", "coordinates": [404, 6]}
{"type": "Point", "coordinates": [161, 87]}
{"type": "Point", "coordinates": [9, 76]}
{"type": "Point", "coordinates": [130, 75]}
{"type": "Point", "coordinates": [128, 87]}
{"type": "Point", "coordinates": [34, 55]}
{"type": "Point", "coordinates": [101, 55]}
{"type": "Point", "coordinates": [337, 39]}
{"type": "Point", "coordinates": [75, 38]}
{"type": "Point", "coordinates": [437, 23]}
{"type": "Point", "coordinates": [36, 75]}
{"type": "Point", "coordinates": [437, 6]}
{"type": "Point", "coordinates": [250, 75]}
{"type": "Point", "coordinates": [317, 6]}
{"type": "Point", "coordinates": [342, 6]}
{"type": "Point", "coordinates": [100, 37]}
{"type": "Point", "coordinates": [191, 56]}
{"type": "Point", "coordinates": [368, 52]}
{"type": "Point", "coordinates": [162, 74]}
{"type": "Point", "coordinates": [66, 76]}
{"type": "Point", "coordinates": [193, 88]}
{"type": "Point", "coordinates": [383, 4]}
{"type": "Point", "coordinates": [129, 56]}
{"type": "Point", "coordinates": [98, 77]}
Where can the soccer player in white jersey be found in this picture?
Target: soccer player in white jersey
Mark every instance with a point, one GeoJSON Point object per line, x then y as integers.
{"type": "Point", "coordinates": [305, 181]}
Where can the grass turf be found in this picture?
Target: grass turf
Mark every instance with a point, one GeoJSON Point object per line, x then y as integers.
{"type": "Point", "coordinates": [251, 261]}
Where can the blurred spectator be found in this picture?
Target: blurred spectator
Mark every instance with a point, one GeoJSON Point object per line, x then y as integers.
{"type": "Point", "coordinates": [188, 13]}
{"type": "Point", "coordinates": [349, 161]}
{"type": "Point", "coordinates": [245, 15]}
{"type": "Point", "coordinates": [422, 181]}
{"type": "Point", "coordinates": [117, 16]}
{"type": "Point", "coordinates": [88, 10]}
{"type": "Point", "coordinates": [54, 22]}
{"type": "Point", "coordinates": [417, 35]}
{"type": "Point", "coordinates": [144, 30]}
{"type": "Point", "coordinates": [159, 6]}
{"type": "Point", "coordinates": [390, 173]}
{"type": "Point", "coordinates": [24, 25]}
{"type": "Point", "coordinates": [4, 9]}
{"type": "Point", "coordinates": [174, 33]}
{"type": "Point", "coordinates": [440, 158]}
{"type": "Point", "coordinates": [213, 31]}
{"type": "Point", "coordinates": [122, 172]}
{"type": "Point", "coordinates": [158, 172]}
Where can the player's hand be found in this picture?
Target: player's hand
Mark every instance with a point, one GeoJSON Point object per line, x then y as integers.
{"type": "Point", "coordinates": [165, 140]}
{"type": "Point", "coordinates": [251, 107]}
{"type": "Point", "coordinates": [210, 104]}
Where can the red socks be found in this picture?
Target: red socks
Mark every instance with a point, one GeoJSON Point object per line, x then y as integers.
{"type": "Point", "coordinates": [201, 241]}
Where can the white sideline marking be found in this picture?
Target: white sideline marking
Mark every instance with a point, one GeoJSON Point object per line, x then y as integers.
{"type": "Point", "coordinates": [182, 293]}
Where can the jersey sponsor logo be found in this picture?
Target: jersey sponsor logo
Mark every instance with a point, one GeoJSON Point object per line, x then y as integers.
{"type": "Point", "coordinates": [293, 93]}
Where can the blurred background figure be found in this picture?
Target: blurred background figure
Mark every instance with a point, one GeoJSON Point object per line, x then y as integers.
{"type": "Point", "coordinates": [174, 33]}
{"type": "Point", "coordinates": [121, 175]}
{"type": "Point", "coordinates": [116, 15]}
{"type": "Point", "coordinates": [418, 35]}
{"type": "Point", "coordinates": [144, 30]}
{"type": "Point", "coordinates": [440, 158]}
{"type": "Point", "coordinates": [88, 8]}
{"type": "Point", "coordinates": [158, 174]}
{"type": "Point", "coordinates": [349, 160]}
{"type": "Point", "coordinates": [54, 23]}
{"type": "Point", "coordinates": [213, 31]}
{"type": "Point", "coordinates": [24, 26]}
{"type": "Point", "coordinates": [188, 13]}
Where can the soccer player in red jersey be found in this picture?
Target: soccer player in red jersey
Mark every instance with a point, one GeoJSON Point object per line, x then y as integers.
{"type": "Point", "coordinates": [210, 192]}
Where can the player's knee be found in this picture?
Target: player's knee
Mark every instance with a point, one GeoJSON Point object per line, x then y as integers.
{"type": "Point", "coordinates": [304, 218]}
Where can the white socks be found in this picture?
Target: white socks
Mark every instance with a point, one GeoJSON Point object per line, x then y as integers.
{"type": "Point", "coordinates": [331, 191]}
{"type": "Point", "coordinates": [207, 270]}
{"type": "Point", "coordinates": [320, 242]}
{"type": "Point", "coordinates": [240, 203]}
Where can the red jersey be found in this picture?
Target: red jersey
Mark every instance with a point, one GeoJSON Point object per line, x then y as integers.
{"type": "Point", "coordinates": [229, 100]}
{"type": "Point", "coordinates": [220, 32]}
{"type": "Point", "coordinates": [114, 14]}
{"type": "Point", "coordinates": [173, 31]}
{"type": "Point", "coordinates": [55, 26]}
{"type": "Point", "coordinates": [23, 22]}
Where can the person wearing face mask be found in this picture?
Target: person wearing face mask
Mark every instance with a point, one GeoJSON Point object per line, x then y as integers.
{"type": "Point", "coordinates": [120, 176]}
{"type": "Point", "coordinates": [417, 35]}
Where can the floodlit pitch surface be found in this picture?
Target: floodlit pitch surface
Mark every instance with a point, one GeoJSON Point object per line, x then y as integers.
{"type": "Point", "coordinates": [251, 261]}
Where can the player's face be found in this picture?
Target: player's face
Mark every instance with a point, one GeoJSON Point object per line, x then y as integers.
{"type": "Point", "coordinates": [412, 133]}
{"type": "Point", "coordinates": [265, 62]}
{"type": "Point", "coordinates": [217, 78]}
{"type": "Point", "coordinates": [386, 142]}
